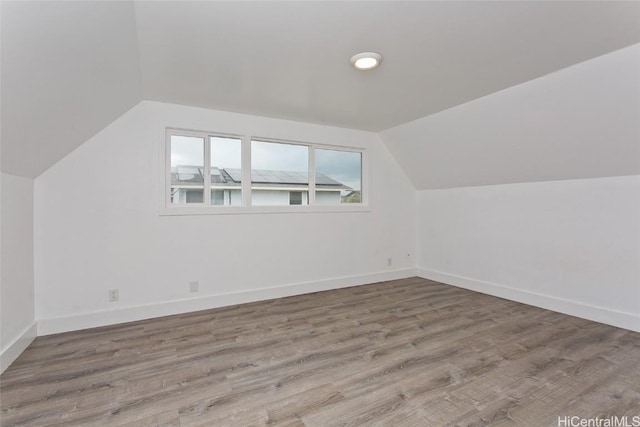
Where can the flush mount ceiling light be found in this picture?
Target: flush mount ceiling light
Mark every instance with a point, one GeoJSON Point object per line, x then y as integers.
{"type": "Point", "coordinates": [366, 60]}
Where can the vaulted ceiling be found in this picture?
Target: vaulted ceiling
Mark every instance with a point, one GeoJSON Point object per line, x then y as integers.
{"type": "Point", "coordinates": [70, 68]}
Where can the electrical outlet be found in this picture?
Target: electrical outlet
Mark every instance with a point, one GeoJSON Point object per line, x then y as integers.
{"type": "Point", "coordinates": [193, 286]}
{"type": "Point", "coordinates": [113, 295]}
{"type": "Point", "coordinates": [390, 262]}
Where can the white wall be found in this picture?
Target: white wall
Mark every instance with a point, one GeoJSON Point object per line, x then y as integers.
{"type": "Point", "coordinates": [17, 327]}
{"type": "Point", "coordinates": [560, 229]}
{"type": "Point", "coordinates": [579, 122]}
{"type": "Point", "coordinates": [571, 246]}
{"type": "Point", "coordinates": [97, 227]}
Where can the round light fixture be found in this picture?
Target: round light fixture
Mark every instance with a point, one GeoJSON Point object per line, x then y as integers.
{"type": "Point", "coordinates": [366, 60]}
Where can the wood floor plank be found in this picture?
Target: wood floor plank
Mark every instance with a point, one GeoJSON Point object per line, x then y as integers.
{"type": "Point", "coordinates": [410, 352]}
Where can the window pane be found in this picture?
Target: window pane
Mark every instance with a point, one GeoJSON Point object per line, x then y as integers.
{"type": "Point", "coordinates": [276, 171]}
{"type": "Point", "coordinates": [195, 196]}
{"type": "Point", "coordinates": [338, 177]}
{"type": "Point", "coordinates": [295, 197]}
{"type": "Point", "coordinates": [217, 197]}
{"type": "Point", "coordinates": [226, 178]}
{"type": "Point", "coordinates": [187, 169]}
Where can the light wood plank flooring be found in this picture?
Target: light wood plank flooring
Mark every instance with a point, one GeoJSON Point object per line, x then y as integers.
{"type": "Point", "coordinates": [403, 353]}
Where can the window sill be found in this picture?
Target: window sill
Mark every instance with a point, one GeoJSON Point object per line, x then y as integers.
{"type": "Point", "coordinates": [235, 210]}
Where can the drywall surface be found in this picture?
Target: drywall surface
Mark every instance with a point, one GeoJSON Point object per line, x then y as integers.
{"type": "Point", "coordinates": [98, 227]}
{"type": "Point", "coordinates": [572, 246]}
{"type": "Point", "coordinates": [68, 70]}
{"type": "Point", "coordinates": [17, 300]}
{"type": "Point", "coordinates": [579, 122]}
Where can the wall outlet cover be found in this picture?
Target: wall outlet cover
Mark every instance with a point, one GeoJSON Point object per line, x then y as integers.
{"type": "Point", "coordinates": [193, 286]}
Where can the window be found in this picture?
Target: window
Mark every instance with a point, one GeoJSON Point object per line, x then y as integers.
{"type": "Point", "coordinates": [226, 179]}
{"type": "Point", "coordinates": [338, 176]}
{"type": "Point", "coordinates": [295, 197]}
{"type": "Point", "coordinates": [252, 174]}
{"type": "Point", "coordinates": [217, 183]}
{"type": "Point", "coordinates": [276, 170]}
{"type": "Point", "coordinates": [187, 169]}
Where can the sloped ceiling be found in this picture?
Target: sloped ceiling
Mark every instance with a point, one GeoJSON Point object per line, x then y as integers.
{"type": "Point", "coordinates": [291, 59]}
{"type": "Point", "coordinates": [580, 122]}
{"type": "Point", "coordinates": [68, 69]}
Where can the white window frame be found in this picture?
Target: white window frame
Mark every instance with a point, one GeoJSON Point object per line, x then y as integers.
{"type": "Point", "coordinates": [205, 208]}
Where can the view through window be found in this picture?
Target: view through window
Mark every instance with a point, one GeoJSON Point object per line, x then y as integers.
{"type": "Point", "coordinates": [338, 176]}
{"type": "Point", "coordinates": [187, 169]}
{"type": "Point", "coordinates": [207, 169]}
{"type": "Point", "coordinates": [226, 180]}
{"type": "Point", "coordinates": [277, 170]}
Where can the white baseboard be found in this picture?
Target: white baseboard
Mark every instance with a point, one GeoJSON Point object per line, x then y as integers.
{"type": "Point", "coordinates": [17, 346]}
{"type": "Point", "coordinates": [55, 325]}
{"type": "Point", "coordinates": [605, 315]}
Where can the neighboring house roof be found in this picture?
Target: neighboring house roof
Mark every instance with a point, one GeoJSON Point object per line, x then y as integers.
{"type": "Point", "coordinates": [194, 175]}
{"type": "Point", "coordinates": [187, 175]}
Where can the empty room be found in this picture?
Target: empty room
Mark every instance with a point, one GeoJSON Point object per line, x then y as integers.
{"type": "Point", "coordinates": [320, 213]}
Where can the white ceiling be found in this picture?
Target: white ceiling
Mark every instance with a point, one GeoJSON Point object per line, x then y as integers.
{"type": "Point", "coordinates": [68, 69]}
{"type": "Point", "coordinates": [579, 122]}
{"type": "Point", "coordinates": [291, 59]}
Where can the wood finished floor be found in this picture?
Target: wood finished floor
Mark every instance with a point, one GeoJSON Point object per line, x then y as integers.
{"type": "Point", "coordinates": [404, 353]}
